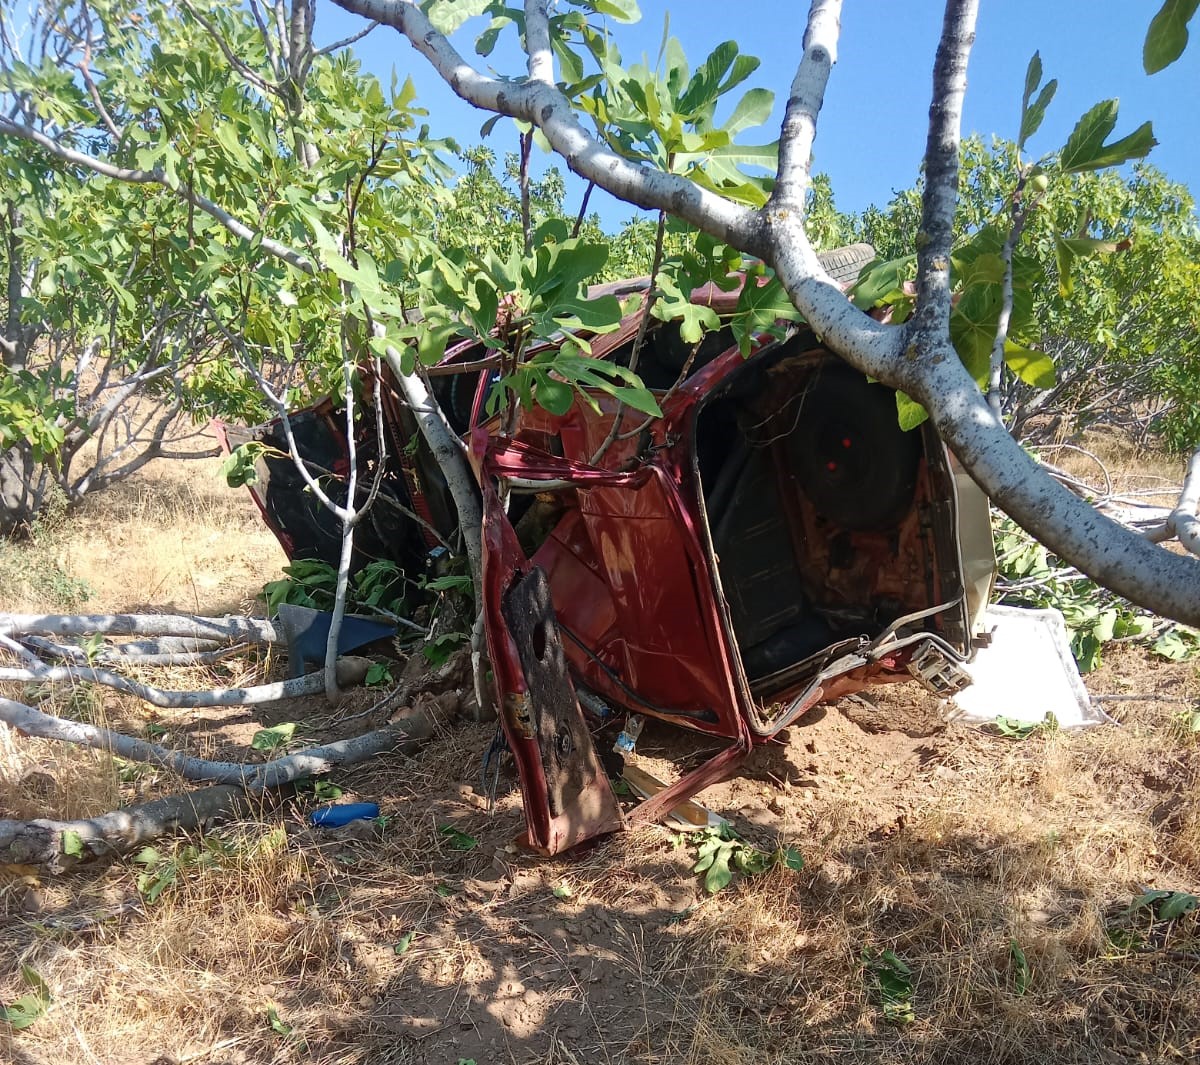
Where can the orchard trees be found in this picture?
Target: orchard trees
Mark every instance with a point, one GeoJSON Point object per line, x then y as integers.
{"type": "Point", "coordinates": [1116, 303]}
{"type": "Point", "coordinates": [176, 175]}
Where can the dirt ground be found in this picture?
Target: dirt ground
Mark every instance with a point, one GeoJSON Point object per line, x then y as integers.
{"type": "Point", "coordinates": [1000, 872]}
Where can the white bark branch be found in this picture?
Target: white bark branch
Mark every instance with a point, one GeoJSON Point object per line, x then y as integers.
{"type": "Point", "coordinates": [116, 656]}
{"type": "Point", "coordinates": [1183, 520]}
{"type": "Point", "coordinates": [42, 841]}
{"type": "Point", "coordinates": [931, 321]}
{"type": "Point", "coordinates": [349, 519]}
{"type": "Point", "coordinates": [537, 42]}
{"type": "Point", "coordinates": [1111, 554]}
{"type": "Point", "coordinates": [254, 630]}
{"type": "Point", "coordinates": [1017, 215]}
{"type": "Point", "coordinates": [447, 452]}
{"type": "Point", "coordinates": [350, 671]}
{"type": "Point", "coordinates": [545, 107]}
{"type": "Point", "coordinates": [316, 760]}
{"type": "Point", "coordinates": [804, 106]}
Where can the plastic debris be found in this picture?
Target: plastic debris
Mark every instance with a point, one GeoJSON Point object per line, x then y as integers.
{"type": "Point", "coordinates": [338, 814]}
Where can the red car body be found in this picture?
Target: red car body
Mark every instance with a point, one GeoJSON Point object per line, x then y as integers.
{"type": "Point", "coordinates": [773, 541]}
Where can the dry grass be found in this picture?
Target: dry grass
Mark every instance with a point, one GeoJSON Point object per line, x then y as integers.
{"type": "Point", "coordinates": [1131, 469]}
{"type": "Point", "coordinates": [274, 942]}
{"type": "Point", "coordinates": [173, 539]}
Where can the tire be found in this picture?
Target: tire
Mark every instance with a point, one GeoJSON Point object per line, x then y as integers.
{"type": "Point", "coordinates": [846, 263]}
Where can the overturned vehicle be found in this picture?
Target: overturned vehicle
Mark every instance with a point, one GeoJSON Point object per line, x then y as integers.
{"type": "Point", "coordinates": [773, 541]}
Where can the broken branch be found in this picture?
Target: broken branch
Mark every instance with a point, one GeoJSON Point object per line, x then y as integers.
{"type": "Point", "coordinates": [351, 671]}
{"type": "Point", "coordinates": [256, 630]}
{"type": "Point", "coordinates": [42, 842]}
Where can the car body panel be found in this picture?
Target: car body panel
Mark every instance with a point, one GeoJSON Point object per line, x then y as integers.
{"type": "Point", "coordinates": [771, 542]}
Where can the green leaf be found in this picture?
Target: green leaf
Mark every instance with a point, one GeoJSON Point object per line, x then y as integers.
{"type": "Point", "coordinates": [563, 891]}
{"type": "Point", "coordinates": [1035, 368]}
{"type": "Point", "coordinates": [1033, 77]}
{"type": "Point", "coordinates": [378, 673]}
{"type": "Point", "coordinates": [719, 875]}
{"type": "Point", "coordinates": [1168, 34]}
{"type": "Point", "coordinates": [276, 1022]}
{"type": "Point", "coordinates": [1032, 114]}
{"type": "Point", "coordinates": [72, 843]}
{"type": "Point", "coordinates": [1176, 905]}
{"type": "Point", "coordinates": [1063, 258]}
{"type": "Point", "coordinates": [1031, 118]}
{"type": "Point", "coordinates": [891, 981]}
{"type": "Point", "coordinates": [450, 582]}
{"type": "Point", "coordinates": [909, 412]}
{"type": "Point", "coordinates": [1014, 729]}
{"type": "Point", "coordinates": [457, 840]}
{"type": "Point", "coordinates": [1081, 247]}
{"type": "Point", "coordinates": [880, 279]}
{"type": "Point", "coordinates": [1165, 905]}
{"type": "Point", "coordinates": [753, 109]}
{"type": "Point", "coordinates": [148, 856]}
{"type": "Point", "coordinates": [1178, 644]}
{"type": "Point", "coordinates": [238, 467]}
{"type": "Point", "coordinates": [1086, 148]}
{"type": "Point", "coordinates": [448, 15]}
{"type": "Point", "coordinates": [759, 309]}
{"type": "Point", "coordinates": [554, 395]}
{"type": "Point", "coordinates": [270, 739]}
{"type": "Point", "coordinates": [28, 1008]}
{"type": "Point", "coordinates": [326, 791]}
{"type": "Point", "coordinates": [403, 943]}
{"type": "Point", "coordinates": [621, 10]}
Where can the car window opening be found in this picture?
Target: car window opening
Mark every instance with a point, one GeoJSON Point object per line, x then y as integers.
{"type": "Point", "coordinates": [815, 501]}
{"type": "Point", "coordinates": [665, 353]}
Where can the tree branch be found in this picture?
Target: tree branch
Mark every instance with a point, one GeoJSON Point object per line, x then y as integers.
{"type": "Point", "coordinates": [156, 177]}
{"type": "Point", "coordinates": [43, 842]}
{"type": "Point", "coordinates": [345, 42]}
{"type": "Point", "coordinates": [1183, 520]}
{"type": "Point", "coordinates": [804, 106]}
{"type": "Point", "coordinates": [547, 108]}
{"type": "Point", "coordinates": [940, 196]}
{"type": "Point", "coordinates": [996, 364]}
{"type": "Point", "coordinates": [254, 630]}
{"type": "Point", "coordinates": [351, 671]}
{"type": "Point", "coordinates": [537, 42]}
{"type": "Point", "coordinates": [447, 452]}
{"type": "Point", "coordinates": [316, 760]}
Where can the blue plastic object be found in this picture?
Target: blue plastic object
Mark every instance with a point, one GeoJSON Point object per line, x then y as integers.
{"type": "Point", "coordinates": [343, 813]}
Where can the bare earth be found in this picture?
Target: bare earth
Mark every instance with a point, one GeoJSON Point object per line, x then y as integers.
{"type": "Point", "coordinates": [960, 850]}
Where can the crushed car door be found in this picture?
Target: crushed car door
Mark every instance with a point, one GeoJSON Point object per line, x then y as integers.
{"type": "Point", "coordinates": [567, 794]}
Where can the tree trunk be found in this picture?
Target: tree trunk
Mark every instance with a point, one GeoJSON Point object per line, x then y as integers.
{"type": "Point", "coordinates": [23, 484]}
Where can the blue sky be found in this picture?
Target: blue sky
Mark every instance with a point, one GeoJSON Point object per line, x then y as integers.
{"type": "Point", "coordinates": [872, 130]}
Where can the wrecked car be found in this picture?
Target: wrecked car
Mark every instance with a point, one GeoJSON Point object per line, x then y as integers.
{"type": "Point", "coordinates": [773, 541]}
